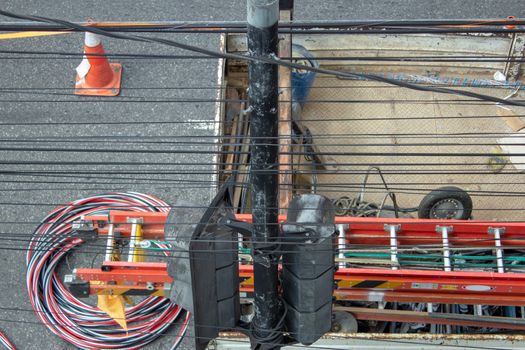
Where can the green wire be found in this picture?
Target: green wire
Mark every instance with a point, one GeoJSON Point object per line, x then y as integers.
{"type": "Point", "coordinates": [400, 256]}
{"type": "Point", "coordinates": [241, 249]}
{"type": "Point", "coordinates": [245, 250]}
{"type": "Point", "coordinates": [433, 256]}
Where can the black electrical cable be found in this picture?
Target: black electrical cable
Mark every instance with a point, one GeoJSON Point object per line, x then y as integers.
{"type": "Point", "coordinates": [497, 85]}
{"type": "Point", "coordinates": [134, 99]}
{"type": "Point", "coordinates": [211, 184]}
{"type": "Point", "coordinates": [339, 165]}
{"type": "Point", "coordinates": [296, 27]}
{"type": "Point", "coordinates": [206, 144]}
{"type": "Point", "coordinates": [192, 48]}
{"type": "Point", "coordinates": [306, 119]}
{"type": "Point", "coordinates": [402, 171]}
{"type": "Point", "coordinates": [423, 58]}
{"type": "Point", "coordinates": [315, 136]}
{"type": "Point", "coordinates": [209, 152]}
{"type": "Point", "coordinates": [117, 25]}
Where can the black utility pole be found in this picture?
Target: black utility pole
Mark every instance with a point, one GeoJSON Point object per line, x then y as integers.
{"type": "Point", "coordinates": [263, 18]}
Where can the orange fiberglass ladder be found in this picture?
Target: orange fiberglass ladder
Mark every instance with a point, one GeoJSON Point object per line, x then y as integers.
{"type": "Point", "coordinates": [390, 284]}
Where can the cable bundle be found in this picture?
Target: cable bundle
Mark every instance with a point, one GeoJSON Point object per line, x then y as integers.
{"type": "Point", "coordinates": [5, 342]}
{"type": "Point", "coordinates": [76, 322]}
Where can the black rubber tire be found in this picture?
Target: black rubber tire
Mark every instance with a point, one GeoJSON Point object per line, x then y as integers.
{"type": "Point", "coordinates": [441, 194]}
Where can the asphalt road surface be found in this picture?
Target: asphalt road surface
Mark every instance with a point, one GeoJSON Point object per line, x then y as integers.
{"type": "Point", "coordinates": [24, 201]}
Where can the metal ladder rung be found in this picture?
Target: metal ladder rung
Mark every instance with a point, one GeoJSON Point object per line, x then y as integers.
{"type": "Point", "coordinates": [393, 230]}
{"type": "Point", "coordinates": [497, 232]}
{"type": "Point", "coordinates": [445, 231]}
{"type": "Point", "coordinates": [341, 242]}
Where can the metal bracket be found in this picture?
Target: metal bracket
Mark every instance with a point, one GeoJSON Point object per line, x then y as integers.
{"type": "Point", "coordinates": [393, 230]}
{"type": "Point", "coordinates": [241, 227]}
{"type": "Point", "coordinates": [495, 230]}
{"type": "Point", "coordinates": [85, 230]}
{"type": "Point", "coordinates": [439, 229]}
{"type": "Point", "coordinates": [79, 288]}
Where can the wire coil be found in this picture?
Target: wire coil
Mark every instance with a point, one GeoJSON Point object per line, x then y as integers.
{"type": "Point", "coordinates": [74, 321]}
{"type": "Point", "coordinates": [4, 341]}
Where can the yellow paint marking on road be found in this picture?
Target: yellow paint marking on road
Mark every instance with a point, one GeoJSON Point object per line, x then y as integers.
{"type": "Point", "coordinates": [22, 35]}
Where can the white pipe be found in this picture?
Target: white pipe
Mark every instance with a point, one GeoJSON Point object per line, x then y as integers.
{"type": "Point", "coordinates": [393, 229]}
{"type": "Point", "coordinates": [132, 240]}
{"type": "Point", "coordinates": [499, 252]}
{"type": "Point", "coordinates": [445, 230]}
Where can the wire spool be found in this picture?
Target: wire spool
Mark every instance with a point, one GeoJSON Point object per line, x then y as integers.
{"type": "Point", "coordinates": [74, 321]}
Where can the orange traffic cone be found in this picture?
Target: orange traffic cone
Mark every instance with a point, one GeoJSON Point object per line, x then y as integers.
{"type": "Point", "coordinates": [95, 75]}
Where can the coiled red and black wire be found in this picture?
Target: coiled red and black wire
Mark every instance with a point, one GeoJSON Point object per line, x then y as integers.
{"type": "Point", "coordinates": [76, 322]}
{"type": "Point", "coordinates": [4, 341]}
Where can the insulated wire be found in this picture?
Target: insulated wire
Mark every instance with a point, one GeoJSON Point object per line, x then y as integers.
{"type": "Point", "coordinates": [389, 165]}
{"type": "Point", "coordinates": [317, 136]}
{"type": "Point", "coordinates": [357, 223]}
{"type": "Point", "coordinates": [259, 59]}
{"type": "Point", "coordinates": [211, 184]}
{"type": "Point", "coordinates": [174, 151]}
{"type": "Point", "coordinates": [295, 27]}
{"type": "Point", "coordinates": [211, 123]}
{"type": "Point", "coordinates": [350, 188]}
{"type": "Point", "coordinates": [125, 56]}
{"type": "Point", "coordinates": [87, 174]}
{"type": "Point", "coordinates": [462, 242]}
{"type": "Point", "coordinates": [330, 188]}
{"type": "Point", "coordinates": [124, 99]}
{"type": "Point", "coordinates": [123, 26]}
{"type": "Point", "coordinates": [367, 85]}
{"type": "Point", "coordinates": [4, 341]}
